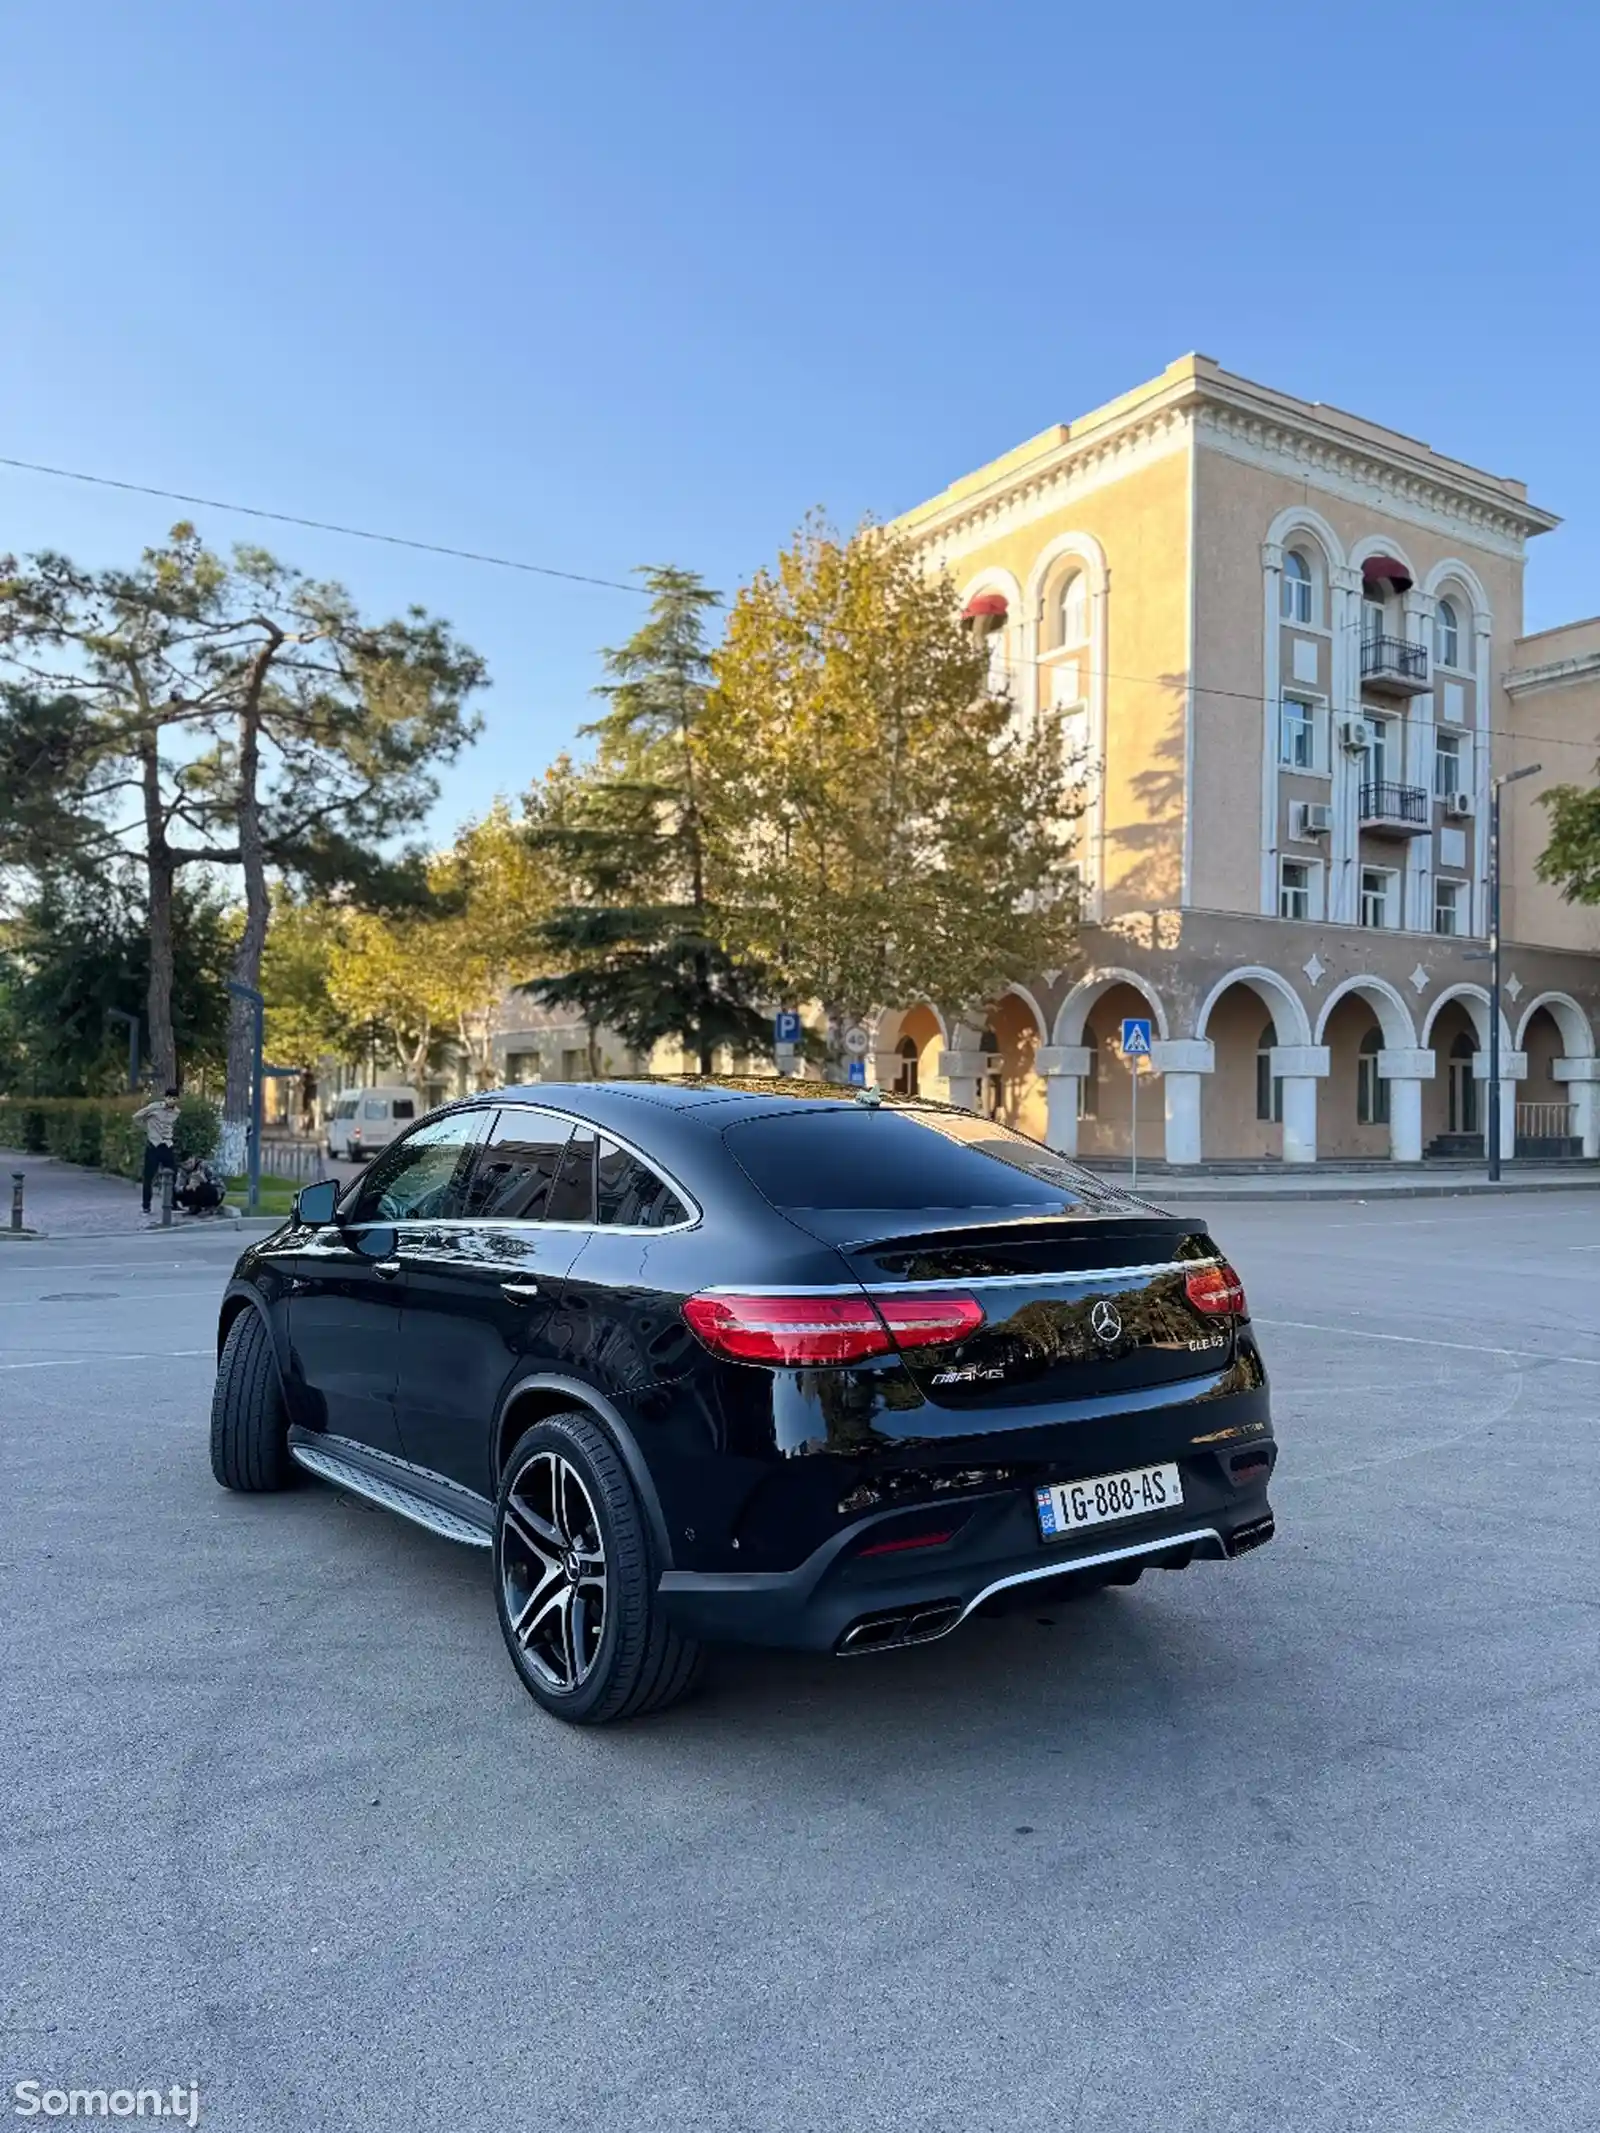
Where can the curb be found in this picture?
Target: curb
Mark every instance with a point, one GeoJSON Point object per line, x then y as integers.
{"type": "Point", "coordinates": [1370, 1196]}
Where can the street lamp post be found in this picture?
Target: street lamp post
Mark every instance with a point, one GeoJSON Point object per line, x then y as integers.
{"type": "Point", "coordinates": [1493, 1136]}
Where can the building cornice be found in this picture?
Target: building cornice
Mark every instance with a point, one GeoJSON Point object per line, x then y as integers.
{"type": "Point", "coordinates": [1241, 421]}
{"type": "Point", "coordinates": [1556, 674]}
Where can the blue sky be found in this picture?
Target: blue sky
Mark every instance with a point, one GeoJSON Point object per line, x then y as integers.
{"type": "Point", "coordinates": [606, 284]}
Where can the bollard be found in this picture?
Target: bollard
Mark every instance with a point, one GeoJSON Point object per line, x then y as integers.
{"type": "Point", "coordinates": [17, 1179]}
{"type": "Point", "coordinates": [167, 1181]}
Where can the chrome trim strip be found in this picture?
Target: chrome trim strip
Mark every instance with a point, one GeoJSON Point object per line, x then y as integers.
{"type": "Point", "coordinates": [1090, 1562]}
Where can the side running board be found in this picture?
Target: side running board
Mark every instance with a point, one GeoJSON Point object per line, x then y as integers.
{"type": "Point", "coordinates": [415, 1492]}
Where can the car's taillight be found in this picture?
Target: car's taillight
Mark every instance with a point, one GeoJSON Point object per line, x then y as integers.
{"type": "Point", "coordinates": [810, 1331]}
{"type": "Point", "coordinates": [1216, 1290]}
{"type": "Point", "coordinates": [803, 1330]}
{"type": "Point", "coordinates": [926, 1321]}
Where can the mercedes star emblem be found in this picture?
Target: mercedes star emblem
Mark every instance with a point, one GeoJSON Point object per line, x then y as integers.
{"type": "Point", "coordinates": [1106, 1322]}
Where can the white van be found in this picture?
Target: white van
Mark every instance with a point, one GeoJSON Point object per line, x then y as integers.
{"type": "Point", "coordinates": [365, 1120]}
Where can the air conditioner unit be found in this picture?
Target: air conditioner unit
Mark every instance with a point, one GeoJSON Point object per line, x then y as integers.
{"type": "Point", "coordinates": [1458, 804]}
{"type": "Point", "coordinates": [1353, 734]}
{"type": "Point", "coordinates": [1311, 818]}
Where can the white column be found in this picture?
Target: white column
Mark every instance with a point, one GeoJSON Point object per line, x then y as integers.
{"type": "Point", "coordinates": [1513, 1068]}
{"type": "Point", "coordinates": [1272, 586]}
{"type": "Point", "coordinates": [1405, 1072]}
{"type": "Point", "coordinates": [1299, 1067]}
{"type": "Point", "coordinates": [1345, 792]}
{"type": "Point", "coordinates": [1063, 1067]}
{"type": "Point", "coordinates": [1483, 741]}
{"type": "Point", "coordinates": [1582, 1077]}
{"type": "Point", "coordinates": [961, 1071]}
{"type": "Point", "coordinates": [1180, 1062]}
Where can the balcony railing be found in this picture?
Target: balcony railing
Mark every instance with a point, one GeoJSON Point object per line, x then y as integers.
{"type": "Point", "coordinates": [1401, 810]}
{"type": "Point", "coordinates": [1548, 1128]}
{"type": "Point", "coordinates": [1394, 664]}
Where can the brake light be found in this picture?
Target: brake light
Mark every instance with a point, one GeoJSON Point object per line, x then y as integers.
{"type": "Point", "coordinates": [1216, 1290]}
{"type": "Point", "coordinates": [810, 1332]}
{"type": "Point", "coordinates": [926, 1321]}
{"type": "Point", "coordinates": [803, 1330]}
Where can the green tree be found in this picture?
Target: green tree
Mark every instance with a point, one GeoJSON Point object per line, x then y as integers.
{"type": "Point", "coordinates": [250, 717]}
{"type": "Point", "coordinates": [893, 830]}
{"type": "Point", "coordinates": [47, 781]}
{"type": "Point", "coordinates": [77, 949]}
{"type": "Point", "coordinates": [1570, 861]}
{"type": "Point", "coordinates": [639, 943]}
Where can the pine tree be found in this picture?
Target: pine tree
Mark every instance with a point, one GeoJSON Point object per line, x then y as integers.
{"type": "Point", "coordinates": [639, 942]}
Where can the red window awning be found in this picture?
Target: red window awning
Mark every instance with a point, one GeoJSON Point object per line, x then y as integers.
{"type": "Point", "coordinates": [1386, 569]}
{"type": "Point", "coordinates": [986, 604]}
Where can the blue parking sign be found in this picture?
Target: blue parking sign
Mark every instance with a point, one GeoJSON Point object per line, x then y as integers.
{"type": "Point", "coordinates": [786, 1026]}
{"type": "Point", "coordinates": [856, 1073]}
{"type": "Point", "coordinates": [1136, 1037]}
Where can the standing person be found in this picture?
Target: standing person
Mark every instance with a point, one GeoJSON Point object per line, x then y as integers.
{"type": "Point", "coordinates": [160, 1121]}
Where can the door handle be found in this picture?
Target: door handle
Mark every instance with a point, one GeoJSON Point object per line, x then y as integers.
{"type": "Point", "coordinates": [388, 1268]}
{"type": "Point", "coordinates": [523, 1291]}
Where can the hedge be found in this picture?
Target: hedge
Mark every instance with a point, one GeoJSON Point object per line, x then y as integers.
{"type": "Point", "coordinates": [100, 1131]}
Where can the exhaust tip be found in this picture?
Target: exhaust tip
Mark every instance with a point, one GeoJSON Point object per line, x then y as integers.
{"type": "Point", "coordinates": [1255, 1535]}
{"type": "Point", "coordinates": [897, 1627]}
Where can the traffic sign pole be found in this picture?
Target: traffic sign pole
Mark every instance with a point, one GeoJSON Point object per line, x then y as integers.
{"type": "Point", "coordinates": [1133, 1181]}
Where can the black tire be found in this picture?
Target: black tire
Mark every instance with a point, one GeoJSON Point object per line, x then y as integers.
{"type": "Point", "coordinates": [249, 1424]}
{"type": "Point", "coordinates": [639, 1662]}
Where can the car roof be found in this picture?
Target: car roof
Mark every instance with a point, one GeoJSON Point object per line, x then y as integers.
{"type": "Point", "coordinates": [729, 1098]}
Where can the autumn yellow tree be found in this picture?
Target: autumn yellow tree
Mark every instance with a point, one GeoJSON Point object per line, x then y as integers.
{"type": "Point", "coordinates": [439, 975]}
{"type": "Point", "coordinates": [891, 829]}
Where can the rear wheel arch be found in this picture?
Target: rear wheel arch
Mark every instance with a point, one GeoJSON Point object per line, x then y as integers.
{"type": "Point", "coordinates": [533, 1399]}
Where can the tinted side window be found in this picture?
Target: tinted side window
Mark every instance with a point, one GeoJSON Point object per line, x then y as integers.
{"type": "Point", "coordinates": [628, 1192]}
{"type": "Point", "coordinates": [572, 1194]}
{"type": "Point", "coordinates": [420, 1178]}
{"type": "Point", "coordinates": [517, 1168]}
{"type": "Point", "coordinates": [403, 1107]}
{"type": "Point", "coordinates": [902, 1159]}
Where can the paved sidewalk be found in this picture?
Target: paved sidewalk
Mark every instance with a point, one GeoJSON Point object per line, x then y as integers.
{"type": "Point", "coordinates": [1177, 1189]}
{"type": "Point", "coordinates": [66, 1200]}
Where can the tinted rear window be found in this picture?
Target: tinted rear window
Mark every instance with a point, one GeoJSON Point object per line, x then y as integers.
{"type": "Point", "coordinates": [900, 1159]}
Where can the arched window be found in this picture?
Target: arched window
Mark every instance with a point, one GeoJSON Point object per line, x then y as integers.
{"type": "Point", "coordinates": [1089, 1084]}
{"type": "Point", "coordinates": [1075, 609]}
{"type": "Point", "coordinates": [1297, 587]}
{"type": "Point", "coordinates": [1269, 1086]}
{"type": "Point", "coordinates": [1447, 635]}
{"type": "Point", "coordinates": [1372, 1092]}
{"type": "Point", "coordinates": [908, 1071]}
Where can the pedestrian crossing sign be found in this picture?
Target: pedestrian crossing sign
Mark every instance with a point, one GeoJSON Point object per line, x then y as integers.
{"type": "Point", "coordinates": [1136, 1037]}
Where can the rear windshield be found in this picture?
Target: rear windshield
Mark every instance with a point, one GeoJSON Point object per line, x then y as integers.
{"type": "Point", "coordinates": [892, 1158]}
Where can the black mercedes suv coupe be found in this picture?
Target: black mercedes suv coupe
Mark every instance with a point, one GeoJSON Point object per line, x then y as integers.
{"type": "Point", "coordinates": [708, 1361]}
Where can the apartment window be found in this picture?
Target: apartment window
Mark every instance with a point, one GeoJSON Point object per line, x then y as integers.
{"type": "Point", "coordinates": [1297, 587]}
{"type": "Point", "coordinates": [1447, 764]}
{"type": "Point", "coordinates": [1372, 1091]}
{"type": "Point", "coordinates": [1449, 905]}
{"type": "Point", "coordinates": [1375, 769]}
{"type": "Point", "coordinates": [1075, 609]}
{"type": "Point", "coordinates": [1379, 897]}
{"type": "Point", "coordinates": [1294, 888]}
{"type": "Point", "coordinates": [1297, 734]}
{"type": "Point", "coordinates": [1446, 635]}
{"type": "Point", "coordinates": [1269, 1086]}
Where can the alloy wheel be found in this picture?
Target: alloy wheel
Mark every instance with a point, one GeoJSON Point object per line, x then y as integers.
{"type": "Point", "coordinates": [553, 1571]}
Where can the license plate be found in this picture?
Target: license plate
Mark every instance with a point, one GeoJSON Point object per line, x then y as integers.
{"type": "Point", "coordinates": [1069, 1506]}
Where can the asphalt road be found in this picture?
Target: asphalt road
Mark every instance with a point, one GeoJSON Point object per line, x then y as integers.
{"type": "Point", "coordinates": [1308, 1841]}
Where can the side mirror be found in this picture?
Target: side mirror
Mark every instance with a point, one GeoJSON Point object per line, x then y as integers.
{"type": "Point", "coordinates": [377, 1242]}
{"type": "Point", "coordinates": [314, 1204]}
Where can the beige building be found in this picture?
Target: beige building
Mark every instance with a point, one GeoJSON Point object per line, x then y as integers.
{"type": "Point", "coordinates": [1288, 643]}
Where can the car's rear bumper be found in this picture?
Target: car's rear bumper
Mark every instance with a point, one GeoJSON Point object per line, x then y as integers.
{"type": "Point", "coordinates": [840, 1599]}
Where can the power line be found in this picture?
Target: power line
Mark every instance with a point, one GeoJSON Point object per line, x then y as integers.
{"type": "Point", "coordinates": [321, 525]}
{"type": "Point", "coordinates": [577, 577]}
